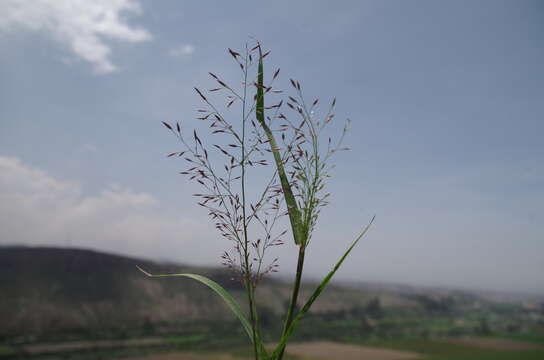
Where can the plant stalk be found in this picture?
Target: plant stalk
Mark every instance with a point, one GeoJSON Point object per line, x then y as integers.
{"type": "Point", "coordinates": [247, 269]}
{"type": "Point", "coordinates": [252, 314]}
{"type": "Point", "coordinates": [294, 296]}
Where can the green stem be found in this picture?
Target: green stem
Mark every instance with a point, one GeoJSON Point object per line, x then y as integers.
{"type": "Point", "coordinates": [247, 269]}
{"type": "Point", "coordinates": [252, 314]}
{"type": "Point", "coordinates": [294, 296]}
{"type": "Point", "coordinates": [283, 341]}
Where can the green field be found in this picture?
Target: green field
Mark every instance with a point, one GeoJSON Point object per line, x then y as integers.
{"type": "Point", "coordinates": [200, 347]}
{"type": "Point", "coordinates": [445, 350]}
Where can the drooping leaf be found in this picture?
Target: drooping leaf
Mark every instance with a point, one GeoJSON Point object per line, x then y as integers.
{"type": "Point", "coordinates": [219, 290]}
{"type": "Point", "coordinates": [229, 300]}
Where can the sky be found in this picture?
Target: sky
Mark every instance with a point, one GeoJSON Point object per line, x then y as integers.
{"type": "Point", "coordinates": [446, 101]}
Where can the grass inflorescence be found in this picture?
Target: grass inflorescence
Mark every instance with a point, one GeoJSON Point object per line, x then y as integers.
{"type": "Point", "coordinates": [280, 137]}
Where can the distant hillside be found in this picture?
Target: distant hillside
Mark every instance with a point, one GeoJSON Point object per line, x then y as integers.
{"type": "Point", "coordinates": [66, 291]}
{"type": "Point", "coordinates": [51, 289]}
{"type": "Point", "coordinates": [47, 289]}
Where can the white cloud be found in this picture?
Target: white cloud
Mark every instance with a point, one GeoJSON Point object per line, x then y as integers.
{"type": "Point", "coordinates": [82, 25]}
{"type": "Point", "coordinates": [37, 209]}
{"type": "Point", "coordinates": [182, 50]}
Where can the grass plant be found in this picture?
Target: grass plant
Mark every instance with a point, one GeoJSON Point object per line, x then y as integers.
{"type": "Point", "coordinates": [282, 139]}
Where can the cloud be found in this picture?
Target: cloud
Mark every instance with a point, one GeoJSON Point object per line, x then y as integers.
{"type": "Point", "coordinates": [182, 50]}
{"type": "Point", "coordinates": [37, 209]}
{"type": "Point", "coordinates": [81, 25]}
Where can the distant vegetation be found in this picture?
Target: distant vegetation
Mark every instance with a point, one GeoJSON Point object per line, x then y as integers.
{"type": "Point", "coordinates": [56, 295]}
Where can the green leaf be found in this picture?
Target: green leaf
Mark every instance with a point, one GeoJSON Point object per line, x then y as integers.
{"type": "Point", "coordinates": [283, 341]}
{"type": "Point", "coordinates": [292, 207]}
{"type": "Point", "coordinates": [231, 303]}
{"type": "Point", "coordinates": [229, 300]}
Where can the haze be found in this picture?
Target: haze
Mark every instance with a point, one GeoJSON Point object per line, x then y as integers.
{"type": "Point", "coordinates": [446, 98]}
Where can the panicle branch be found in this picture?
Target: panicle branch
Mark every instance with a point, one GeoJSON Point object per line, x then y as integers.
{"type": "Point", "coordinates": [218, 168]}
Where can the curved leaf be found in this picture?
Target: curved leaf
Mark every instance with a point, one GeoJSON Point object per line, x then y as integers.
{"type": "Point", "coordinates": [219, 290]}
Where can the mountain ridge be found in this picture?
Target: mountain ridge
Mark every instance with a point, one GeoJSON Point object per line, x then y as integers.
{"type": "Point", "coordinates": [65, 290]}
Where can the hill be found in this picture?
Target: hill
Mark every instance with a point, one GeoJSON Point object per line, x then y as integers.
{"type": "Point", "coordinates": [52, 291]}
{"type": "Point", "coordinates": [55, 289]}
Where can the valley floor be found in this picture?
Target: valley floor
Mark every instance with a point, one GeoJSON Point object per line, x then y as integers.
{"type": "Point", "coordinates": [400, 349]}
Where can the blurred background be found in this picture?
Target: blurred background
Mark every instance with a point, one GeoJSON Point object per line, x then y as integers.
{"type": "Point", "coordinates": [446, 105]}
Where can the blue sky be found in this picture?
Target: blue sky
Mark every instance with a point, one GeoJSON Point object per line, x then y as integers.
{"type": "Point", "coordinates": [446, 100]}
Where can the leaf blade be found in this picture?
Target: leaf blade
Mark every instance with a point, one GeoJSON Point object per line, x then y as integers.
{"type": "Point", "coordinates": [295, 217]}
{"type": "Point", "coordinates": [283, 341]}
{"type": "Point", "coordinates": [229, 300]}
